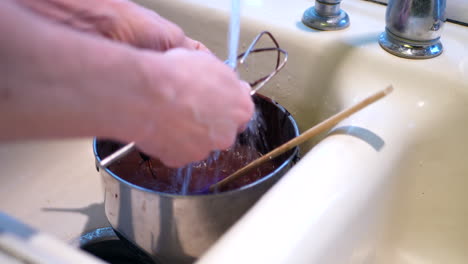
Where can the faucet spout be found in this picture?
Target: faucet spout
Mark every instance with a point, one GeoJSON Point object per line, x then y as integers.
{"type": "Point", "coordinates": [413, 28]}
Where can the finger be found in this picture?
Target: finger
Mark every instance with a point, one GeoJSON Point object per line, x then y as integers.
{"type": "Point", "coordinates": [246, 87]}
{"type": "Point", "coordinates": [176, 160]}
{"type": "Point", "coordinates": [249, 106]}
{"type": "Point", "coordinates": [242, 128]}
{"type": "Point", "coordinates": [195, 45]}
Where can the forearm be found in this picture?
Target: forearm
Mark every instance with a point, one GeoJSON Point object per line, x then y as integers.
{"type": "Point", "coordinates": [119, 20]}
{"type": "Point", "coordinates": [57, 82]}
{"type": "Point", "coordinates": [86, 15]}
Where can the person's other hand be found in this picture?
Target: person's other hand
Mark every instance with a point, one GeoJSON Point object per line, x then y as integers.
{"type": "Point", "coordinates": [188, 119]}
{"type": "Point", "coordinates": [144, 28]}
{"type": "Point", "coordinates": [119, 20]}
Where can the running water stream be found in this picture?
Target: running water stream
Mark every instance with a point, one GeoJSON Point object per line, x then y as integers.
{"type": "Point", "coordinates": [233, 45]}
{"type": "Point", "coordinates": [234, 33]}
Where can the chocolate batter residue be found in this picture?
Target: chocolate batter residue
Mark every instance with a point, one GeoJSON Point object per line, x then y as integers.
{"type": "Point", "coordinates": [198, 176]}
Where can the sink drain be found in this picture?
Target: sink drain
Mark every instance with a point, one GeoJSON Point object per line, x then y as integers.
{"type": "Point", "coordinates": [106, 245]}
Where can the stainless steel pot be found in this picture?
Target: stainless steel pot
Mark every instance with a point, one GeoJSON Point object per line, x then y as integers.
{"type": "Point", "coordinates": [179, 228]}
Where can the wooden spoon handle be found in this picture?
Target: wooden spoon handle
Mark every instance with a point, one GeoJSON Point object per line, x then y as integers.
{"type": "Point", "coordinates": [311, 132]}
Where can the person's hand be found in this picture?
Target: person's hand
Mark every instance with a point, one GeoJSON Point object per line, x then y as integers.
{"type": "Point", "coordinates": [177, 105]}
{"type": "Point", "coordinates": [201, 106]}
{"type": "Point", "coordinates": [144, 28]}
{"type": "Point", "coordinates": [119, 20]}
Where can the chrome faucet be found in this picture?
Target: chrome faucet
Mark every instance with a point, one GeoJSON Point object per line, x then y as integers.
{"type": "Point", "coordinates": [413, 28]}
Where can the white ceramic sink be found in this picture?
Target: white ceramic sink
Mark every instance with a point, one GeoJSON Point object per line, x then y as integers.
{"type": "Point", "coordinates": [389, 184]}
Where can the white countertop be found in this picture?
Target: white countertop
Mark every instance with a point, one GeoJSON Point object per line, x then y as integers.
{"type": "Point", "coordinates": [40, 176]}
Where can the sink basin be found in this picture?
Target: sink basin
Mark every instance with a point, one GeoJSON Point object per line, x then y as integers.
{"type": "Point", "coordinates": [387, 185]}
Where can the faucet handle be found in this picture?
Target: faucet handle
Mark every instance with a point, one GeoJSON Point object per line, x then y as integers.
{"type": "Point", "coordinates": [326, 15]}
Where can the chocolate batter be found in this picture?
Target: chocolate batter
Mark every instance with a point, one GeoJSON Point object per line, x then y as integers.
{"type": "Point", "coordinates": [152, 174]}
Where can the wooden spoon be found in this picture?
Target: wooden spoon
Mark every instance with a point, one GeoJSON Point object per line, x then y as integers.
{"type": "Point", "coordinates": [311, 132]}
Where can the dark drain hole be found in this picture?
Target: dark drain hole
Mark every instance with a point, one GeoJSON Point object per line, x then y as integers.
{"type": "Point", "coordinates": [116, 252]}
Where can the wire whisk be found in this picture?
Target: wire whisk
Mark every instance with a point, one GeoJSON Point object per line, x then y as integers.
{"type": "Point", "coordinates": [258, 84]}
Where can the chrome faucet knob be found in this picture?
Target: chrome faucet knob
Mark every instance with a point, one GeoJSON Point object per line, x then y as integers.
{"type": "Point", "coordinates": [326, 15]}
{"type": "Point", "coordinates": [413, 28]}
